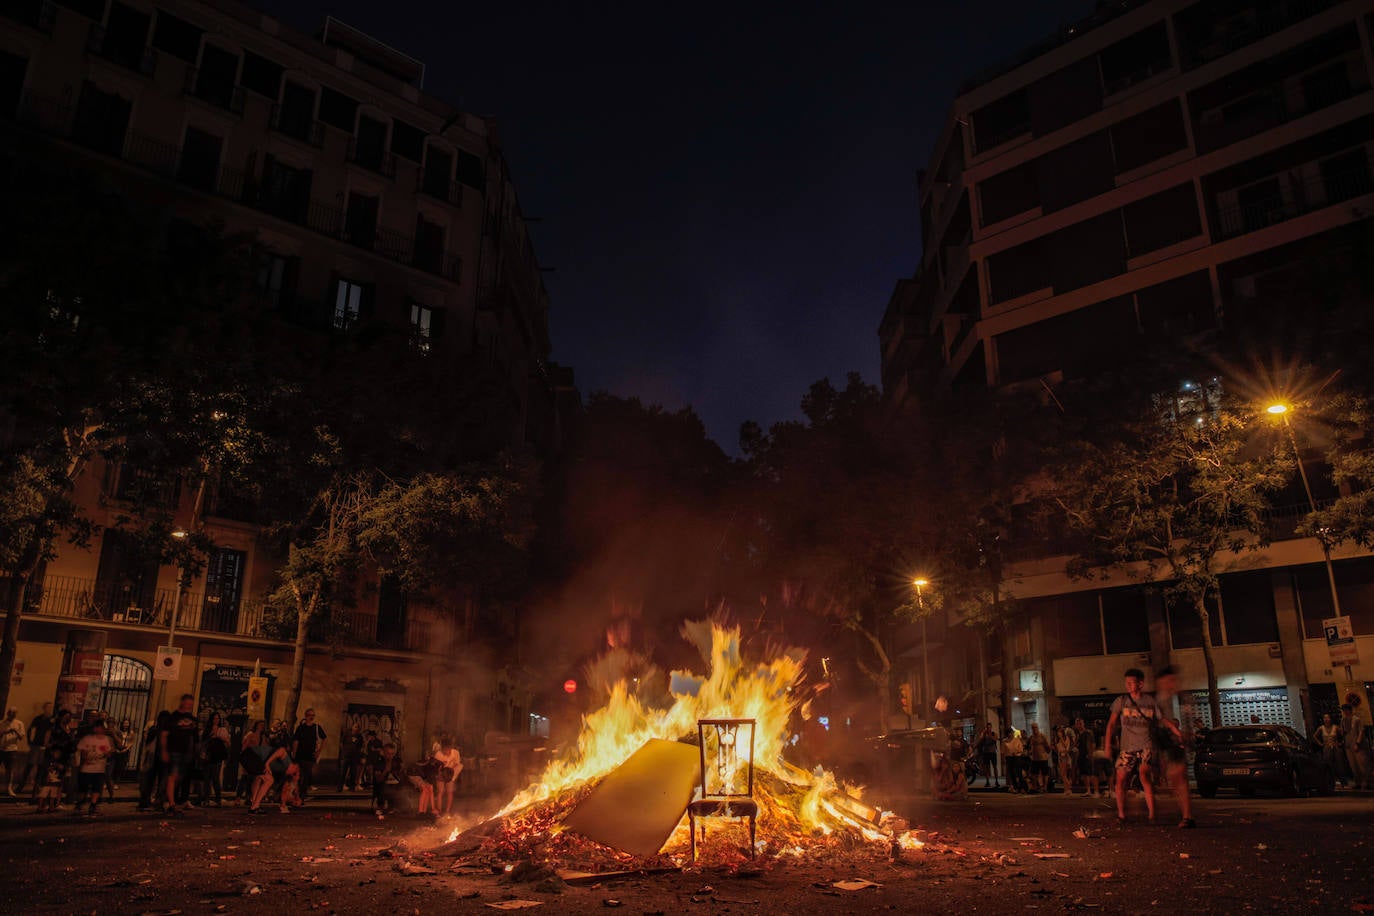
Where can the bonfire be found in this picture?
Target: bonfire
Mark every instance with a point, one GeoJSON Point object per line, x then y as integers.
{"type": "Point", "coordinates": [802, 813]}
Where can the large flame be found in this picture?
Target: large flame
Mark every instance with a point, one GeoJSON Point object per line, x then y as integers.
{"type": "Point", "coordinates": [797, 801]}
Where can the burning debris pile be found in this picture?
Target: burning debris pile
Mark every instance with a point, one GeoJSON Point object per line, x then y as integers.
{"type": "Point", "coordinates": [801, 813]}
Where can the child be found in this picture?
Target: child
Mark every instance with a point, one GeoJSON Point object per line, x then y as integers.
{"type": "Point", "coordinates": [92, 752]}
{"type": "Point", "coordinates": [54, 773]}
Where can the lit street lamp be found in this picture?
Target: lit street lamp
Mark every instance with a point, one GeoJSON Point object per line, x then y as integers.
{"type": "Point", "coordinates": [175, 613]}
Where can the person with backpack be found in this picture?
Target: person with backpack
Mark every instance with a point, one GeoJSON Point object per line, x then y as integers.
{"type": "Point", "coordinates": [1137, 714]}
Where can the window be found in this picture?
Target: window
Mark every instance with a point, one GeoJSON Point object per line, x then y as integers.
{"type": "Point", "coordinates": [217, 76]}
{"type": "Point", "coordinates": [1000, 121]}
{"type": "Point", "coordinates": [407, 141]}
{"type": "Point", "coordinates": [125, 579]}
{"type": "Point", "coordinates": [369, 149]}
{"type": "Point", "coordinates": [1065, 96]}
{"type": "Point", "coordinates": [421, 327]}
{"type": "Point", "coordinates": [1177, 307]}
{"type": "Point", "coordinates": [223, 589]}
{"type": "Point", "coordinates": [276, 278]}
{"type": "Point", "coordinates": [1184, 626]}
{"type": "Point", "coordinates": [126, 36]}
{"type": "Point", "coordinates": [1076, 624]}
{"type": "Point", "coordinates": [429, 245]}
{"type": "Point", "coordinates": [360, 219]}
{"type": "Point", "coordinates": [296, 114]}
{"type": "Point", "coordinates": [1247, 602]}
{"type": "Point", "coordinates": [285, 191]}
{"type": "Point", "coordinates": [200, 153]}
{"type": "Point", "coordinates": [1126, 621]}
{"type": "Point", "coordinates": [101, 120]}
{"type": "Point", "coordinates": [1148, 136]}
{"type": "Point", "coordinates": [438, 173]}
{"type": "Point", "coordinates": [12, 70]}
{"type": "Point", "coordinates": [1075, 172]}
{"type": "Point", "coordinates": [348, 304]}
{"type": "Point", "coordinates": [470, 170]}
{"type": "Point", "coordinates": [1346, 175]}
{"type": "Point", "coordinates": [176, 37]}
{"type": "Point", "coordinates": [337, 109]}
{"type": "Point", "coordinates": [1008, 193]}
{"type": "Point", "coordinates": [1136, 58]}
{"type": "Point", "coordinates": [1162, 220]}
{"type": "Point", "coordinates": [91, 9]}
{"type": "Point", "coordinates": [261, 75]}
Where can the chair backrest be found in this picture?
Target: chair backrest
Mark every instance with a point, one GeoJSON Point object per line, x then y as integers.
{"type": "Point", "coordinates": [722, 739]}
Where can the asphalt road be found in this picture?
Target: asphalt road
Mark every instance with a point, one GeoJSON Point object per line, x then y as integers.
{"type": "Point", "coordinates": [995, 853]}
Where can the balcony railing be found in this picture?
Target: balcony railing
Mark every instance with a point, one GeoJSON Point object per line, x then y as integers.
{"type": "Point", "coordinates": [56, 118]}
{"type": "Point", "coordinates": [1238, 34]}
{"type": "Point", "coordinates": [226, 96]}
{"type": "Point", "coordinates": [362, 630]}
{"type": "Point", "coordinates": [1269, 106]}
{"type": "Point", "coordinates": [450, 192]}
{"type": "Point", "coordinates": [75, 598]}
{"type": "Point", "coordinates": [1301, 197]}
{"type": "Point", "coordinates": [141, 58]}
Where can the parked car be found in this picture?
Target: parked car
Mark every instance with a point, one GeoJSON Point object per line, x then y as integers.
{"type": "Point", "coordinates": [1250, 757]}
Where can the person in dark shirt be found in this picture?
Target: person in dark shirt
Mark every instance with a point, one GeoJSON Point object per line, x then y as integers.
{"type": "Point", "coordinates": [372, 748]}
{"type": "Point", "coordinates": [388, 776]}
{"type": "Point", "coordinates": [38, 740]}
{"type": "Point", "coordinates": [306, 745]}
{"type": "Point", "coordinates": [178, 733]}
{"type": "Point", "coordinates": [351, 760]}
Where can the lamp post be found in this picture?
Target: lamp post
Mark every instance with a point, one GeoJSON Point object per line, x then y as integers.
{"type": "Point", "coordinates": [179, 534]}
{"type": "Point", "coordinates": [920, 583]}
{"type": "Point", "coordinates": [1281, 411]}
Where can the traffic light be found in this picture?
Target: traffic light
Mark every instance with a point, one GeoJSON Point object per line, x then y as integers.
{"type": "Point", "coordinates": [904, 697]}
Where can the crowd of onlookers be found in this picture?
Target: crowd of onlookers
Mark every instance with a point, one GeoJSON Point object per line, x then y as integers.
{"type": "Point", "coordinates": [185, 760]}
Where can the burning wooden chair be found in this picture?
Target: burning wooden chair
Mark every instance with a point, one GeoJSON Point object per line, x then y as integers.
{"type": "Point", "coordinates": [721, 781]}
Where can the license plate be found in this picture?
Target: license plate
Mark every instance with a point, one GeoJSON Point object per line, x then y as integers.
{"type": "Point", "coordinates": [1236, 771]}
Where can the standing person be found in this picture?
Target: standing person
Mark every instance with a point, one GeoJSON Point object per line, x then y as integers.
{"type": "Point", "coordinates": [51, 775]}
{"type": "Point", "coordinates": [1356, 746]}
{"type": "Point", "coordinates": [1134, 711]}
{"type": "Point", "coordinates": [1086, 744]}
{"type": "Point", "coordinates": [372, 755]}
{"type": "Point", "coordinates": [122, 737]}
{"type": "Point", "coordinates": [1175, 748]}
{"type": "Point", "coordinates": [1066, 746]}
{"type": "Point", "coordinates": [387, 776]}
{"type": "Point", "coordinates": [1039, 759]}
{"type": "Point", "coordinates": [177, 737]}
{"type": "Point", "coordinates": [38, 741]}
{"type": "Point", "coordinates": [93, 753]}
{"type": "Point", "coordinates": [62, 737]}
{"type": "Point", "coordinates": [151, 772]}
{"type": "Point", "coordinates": [450, 765]}
{"type": "Point", "coordinates": [987, 755]}
{"type": "Point", "coordinates": [13, 751]}
{"type": "Point", "coordinates": [254, 737]}
{"type": "Point", "coordinates": [1014, 751]}
{"type": "Point", "coordinates": [351, 752]}
{"type": "Point", "coordinates": [306, 746]}
{"type": "Point", "coordinates": [214, 750]}
{"type": "Point", "coordinates": [1328, 741]}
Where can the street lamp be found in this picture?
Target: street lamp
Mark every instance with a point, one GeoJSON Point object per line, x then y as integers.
{"type": "Point", "coordinates": [921, 582]}
{"type": "Point", "coordinates": [180, 535]}
{"type": "Point", "coordinates": [1281, 410]}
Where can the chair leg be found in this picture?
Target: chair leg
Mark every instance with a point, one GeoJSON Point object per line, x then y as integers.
{"type": "Point", "coordinates": [692, 832]}
{"type": "Point", "coordinates": [752, 826]}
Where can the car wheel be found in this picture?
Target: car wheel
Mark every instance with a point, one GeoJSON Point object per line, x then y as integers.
{"type": "Point", "coordinates": [1207, 790]}
{"type": "Point", "coordinates": [1294, 788]}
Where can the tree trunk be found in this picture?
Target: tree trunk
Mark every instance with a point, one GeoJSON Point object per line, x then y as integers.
{"type": "Point", "coordinates": [1213, 695]}
{"type": "Point", "coordinates": [880, 676]}
{"type": "Point", "coordinates": [9, 644]}
{"type": "Point", "coordinates": [304, 613]}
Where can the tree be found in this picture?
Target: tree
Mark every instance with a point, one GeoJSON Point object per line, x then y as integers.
{"type": "Point", "coordinates": [1172, 493]}
{"type": "Point", "coordinates": [1345, 419]}
{"type": "Point", "coordinates": [106, 318]}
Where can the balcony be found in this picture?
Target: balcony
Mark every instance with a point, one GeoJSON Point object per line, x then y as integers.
{"type": "Point", "coordinates": [74, 598]}
{"type": "Point", "coordinates": [36, 14]}
{"type": "Point", "coordinates": [57, 119]}
{"type": "Point", "coordinates": [297, 124]}
{"type": "Point", "coordinates": [362, 628]}
{"type": "Point", "coordinates": [1225, 35]}
{"type": "Point", "coordinates": [372, 158]}
{"type": "Point", "coordinates": [222, 95]}
{"type": "Point", "coordinates": [135, 56]}
{"type": "Point", "coordinates": [450, 192]}
{"type": "Point", "coordinates": [1269, 106]}
{"type": "Point", "coordinates": [1285, 199]}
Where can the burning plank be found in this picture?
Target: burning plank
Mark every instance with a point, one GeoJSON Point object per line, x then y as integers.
{"type": "Point", "coordinates": [639, 804]}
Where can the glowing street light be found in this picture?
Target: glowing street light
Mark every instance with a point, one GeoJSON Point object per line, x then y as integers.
{"type": "Point", "coordinates": [1281, 410]}
{"type": "Point", "coordinates": [921, 582]}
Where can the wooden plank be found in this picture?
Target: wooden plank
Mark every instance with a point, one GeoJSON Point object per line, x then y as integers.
{"type": "Point", "coordinates": [637, 807]}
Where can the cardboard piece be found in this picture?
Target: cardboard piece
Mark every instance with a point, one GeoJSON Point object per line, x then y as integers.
{"type": "Point", "coordinates": [637, 807]}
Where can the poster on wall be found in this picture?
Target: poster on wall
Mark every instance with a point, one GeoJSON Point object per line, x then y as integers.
{"type": "Point", "coordinates": [168, 667]}
{"type": "Point", "coordinates": [228, 690]}
{"type": "Point", "coordinates": [366, 717]}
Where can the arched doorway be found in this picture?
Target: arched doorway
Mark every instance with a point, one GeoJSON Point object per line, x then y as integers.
{"type": "Point", "coordinates": [126, 684]}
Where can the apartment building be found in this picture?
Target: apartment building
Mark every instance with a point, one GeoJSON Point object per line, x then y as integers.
{"type": "Point", "coordinates": [370, 200]}
{"type": "Point", "coordinates": [1161, 170]}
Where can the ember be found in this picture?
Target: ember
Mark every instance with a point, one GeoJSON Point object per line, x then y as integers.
{"type": "Point", "coordinates": [801, 812]}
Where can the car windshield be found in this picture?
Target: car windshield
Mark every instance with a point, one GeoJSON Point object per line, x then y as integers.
{"type": "Point", "coordinates": [1225, 736]}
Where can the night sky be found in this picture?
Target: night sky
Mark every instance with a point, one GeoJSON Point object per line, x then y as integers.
{"type": "Point", "coordinates": [727, 191]}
